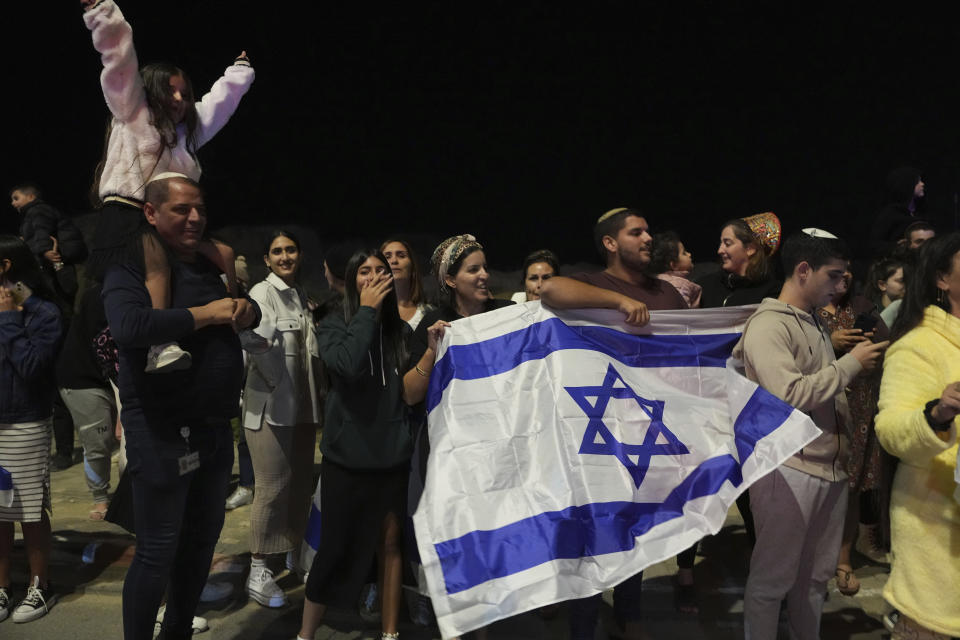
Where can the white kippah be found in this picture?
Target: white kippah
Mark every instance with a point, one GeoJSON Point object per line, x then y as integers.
{"type": "Point", "coordinates": [819, 233]}
{"type": "Point", "coordinates": [167, 174]}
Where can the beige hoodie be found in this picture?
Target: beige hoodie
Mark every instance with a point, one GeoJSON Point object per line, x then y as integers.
{"type": "Point", "coordinates": [786, 352]}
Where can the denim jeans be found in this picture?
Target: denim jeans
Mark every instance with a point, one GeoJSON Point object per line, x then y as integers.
{"type": "Point", "coordinates": [178, 521]}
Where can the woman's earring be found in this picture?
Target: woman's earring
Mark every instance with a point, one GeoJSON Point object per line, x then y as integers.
{"type": "Point", "coordinates": [940, 296]}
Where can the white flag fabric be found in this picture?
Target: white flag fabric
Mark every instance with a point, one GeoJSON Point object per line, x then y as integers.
{"type": "Point", "coordinates": [569, 452]}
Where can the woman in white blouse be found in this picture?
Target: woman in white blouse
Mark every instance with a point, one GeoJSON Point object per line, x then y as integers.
{"type": "Point", "coordinates": [280, 415]}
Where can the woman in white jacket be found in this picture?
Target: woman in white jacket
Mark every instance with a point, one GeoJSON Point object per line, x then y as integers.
{"type": "Point", "coordinates": [280, 414]}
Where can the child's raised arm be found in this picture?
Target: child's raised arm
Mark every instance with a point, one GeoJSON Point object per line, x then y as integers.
{"type": "Point", "coordinates": [113, 39]}
{"type": "Point", "coordinates": [216, 107]}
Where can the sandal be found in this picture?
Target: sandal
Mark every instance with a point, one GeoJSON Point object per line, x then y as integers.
{"type": "Point", "coordinates": [847, 582]}
{"type": "Point", "coordinates": [98, 513]}
{"type": "Point", "coordinates": [685, 599]}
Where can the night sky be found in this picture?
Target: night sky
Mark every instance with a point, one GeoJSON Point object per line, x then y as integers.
{"type": "Point", "coordinates": [518, 122]}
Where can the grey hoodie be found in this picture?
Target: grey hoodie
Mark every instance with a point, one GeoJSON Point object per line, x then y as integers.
{"type": "Point", "coordinates": [786, 352]}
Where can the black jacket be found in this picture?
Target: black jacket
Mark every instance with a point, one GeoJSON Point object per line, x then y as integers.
{"type": "Point", "coordinates": [41, 221]}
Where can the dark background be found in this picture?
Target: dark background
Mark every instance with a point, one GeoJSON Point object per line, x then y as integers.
{"type": "Point", "coordinates": [518, 122]}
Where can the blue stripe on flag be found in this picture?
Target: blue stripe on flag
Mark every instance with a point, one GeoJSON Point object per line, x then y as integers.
{"type": "Point", "coordinates": [597, 528]}
{"type": "Point", "coordinates": [762, 410]}
{"type": "Point", "coordinates": [503, 353]}
{"type": "Point", "coordinates": [6, 488]}
{"type": "Point", "coordinates": [312, 533]}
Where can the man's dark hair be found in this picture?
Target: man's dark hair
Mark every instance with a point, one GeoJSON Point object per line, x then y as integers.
{"type": "Point", "coordinates": [158, 191]}
{"type": "Point", "coordinates": [815, 251]}
{"type": "Point", "coordinates": [27, 188]}
{"type": "Point", "coordinates": [919, 225]}
{"type": "Point", "coordinates": [610, 224]}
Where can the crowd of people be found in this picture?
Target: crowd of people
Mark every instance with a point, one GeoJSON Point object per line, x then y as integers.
{"type": "Point", "coordinates": [168, 356]}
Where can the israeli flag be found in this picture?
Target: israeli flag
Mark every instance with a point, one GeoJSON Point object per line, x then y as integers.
{"type": "Point", "coordinates": [569, 452]}
{"type": "Point", "coordinates": [6, 488]}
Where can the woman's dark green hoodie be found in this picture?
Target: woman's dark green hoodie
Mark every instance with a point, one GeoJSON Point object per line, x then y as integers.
{"type": "Point", "coordinates": [366, 423]}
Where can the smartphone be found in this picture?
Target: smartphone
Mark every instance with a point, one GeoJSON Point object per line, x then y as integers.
{"type": "Point", "coordinates": [866, 322]}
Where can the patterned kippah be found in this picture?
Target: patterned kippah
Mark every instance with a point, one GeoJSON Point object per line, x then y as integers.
{"type": "Point", "coordinates": [766, 227]}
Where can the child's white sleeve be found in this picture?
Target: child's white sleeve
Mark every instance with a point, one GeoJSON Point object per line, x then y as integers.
{"type": "Point", "coordinates": [120, 78]}
{"type": "Point", "coordinates": [216, 107]}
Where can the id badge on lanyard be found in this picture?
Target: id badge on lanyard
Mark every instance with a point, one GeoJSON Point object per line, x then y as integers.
{"type": "Point", "coordinates": [190, 461]}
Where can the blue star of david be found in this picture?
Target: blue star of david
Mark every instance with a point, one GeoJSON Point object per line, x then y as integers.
{"type": "Point", "coordinates": [598, 439]}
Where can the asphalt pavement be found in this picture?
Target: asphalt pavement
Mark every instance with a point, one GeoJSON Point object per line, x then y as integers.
{"type": "Point", "coordinates": [90, 589]}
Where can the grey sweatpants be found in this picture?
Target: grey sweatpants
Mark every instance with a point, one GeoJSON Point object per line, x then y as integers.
{"type": "Point", "coordinates": [799, 523]}
{"type": "Point", "coordinates": [94, 413]}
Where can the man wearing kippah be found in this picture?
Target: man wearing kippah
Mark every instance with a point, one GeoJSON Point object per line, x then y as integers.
{"type": "Point", "coordinates": [799, 507]}
{"type": "Point", "coordinates": [622, 237]}
{"type": "Point", "coordinates": [179, 443]}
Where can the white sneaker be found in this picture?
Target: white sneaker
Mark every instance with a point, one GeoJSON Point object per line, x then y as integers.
{"type": "Point", "coordinates": [37, 603]}
{"type": "Point", "coordinates": [263, 588]}
{"type": "Point", "coordinates": [199, 624]}
{"type": "Point", "coordinates": [240, 496]}
{"type": "Point", "coordinates": [162, 358]}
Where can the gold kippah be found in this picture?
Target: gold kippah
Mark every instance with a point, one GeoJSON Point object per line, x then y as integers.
{"type": "Point", "coordinates": [612, 212]}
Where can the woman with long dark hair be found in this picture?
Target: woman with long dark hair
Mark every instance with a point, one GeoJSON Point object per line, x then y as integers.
{"type": "Point", "coordinates": [919, 402]}
{"type": "Point", "coordinates": [366, 446]}
{"type": "Point", "coordinates": [30, 331]}
{"type": "Point", "coordinates": [407, 283]}
{"type": "Point", "coordinates": [841, 317]}
{"type": "Point", "coordinates": [885, 282]}
{"type": "Point", "coordinates": [280, 415]}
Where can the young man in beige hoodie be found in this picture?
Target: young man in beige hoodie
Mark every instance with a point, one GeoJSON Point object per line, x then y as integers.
{"type": "Point", "coordinates": [799, 507]}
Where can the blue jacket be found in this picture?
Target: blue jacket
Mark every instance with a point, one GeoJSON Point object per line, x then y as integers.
{"type": "Point", "coordinates": [29, 342]}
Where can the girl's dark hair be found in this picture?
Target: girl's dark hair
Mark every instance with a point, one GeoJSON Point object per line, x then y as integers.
{"type": "Point", "coordinates": [416, 284]}
{"type": "Point", "coordinates": [280, 233]}
{"type": "Point", "coordinates": [936, 259]}
{"type": "Point", "coordinates": [156, 85]}
{"type": "Point", "coordinates": [543, 255]}
{"type": "Point", "coordinates": [392, 325]}
{"type": "Point", "coordinates": [758, 268]}
{"type": "Point", "coordinates": [24, 267]}
{"type": "Point", "coordinates": [882, 269]}
{"type": "Point", "coordinates": [448, 295]}
{"type": "Point", "coordinates": [665, 250]}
